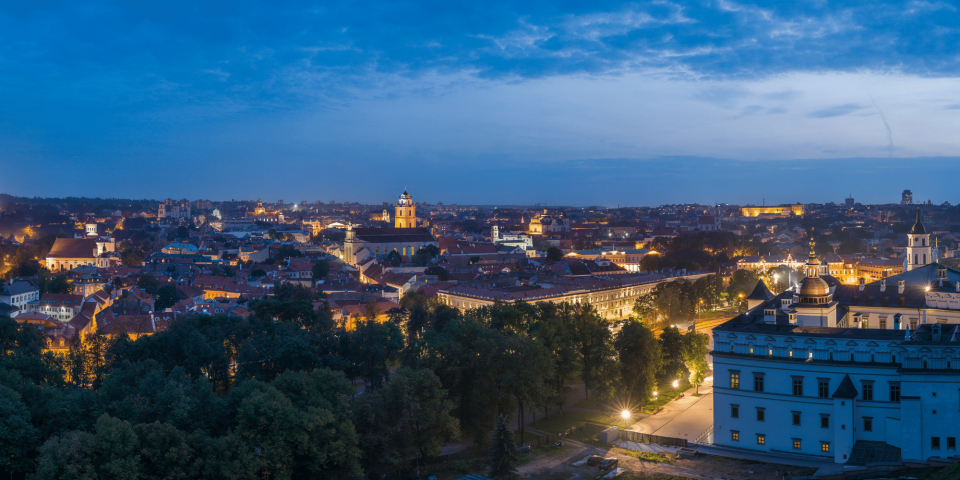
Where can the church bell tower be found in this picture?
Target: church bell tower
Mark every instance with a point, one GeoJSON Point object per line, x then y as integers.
{"type": "Point", "coordinates": [406, 212]}
{"type": "Point", "coordinates": [919, 250]}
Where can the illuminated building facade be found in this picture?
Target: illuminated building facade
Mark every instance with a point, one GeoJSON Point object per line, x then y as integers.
{"type": "Point", "coordinates": [406, 212]}
{"type": "Point", "coordinates": [780, 211]}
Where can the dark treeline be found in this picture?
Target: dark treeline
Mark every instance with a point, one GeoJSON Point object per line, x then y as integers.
{"type": "Point", "coordinates": [274, 395]}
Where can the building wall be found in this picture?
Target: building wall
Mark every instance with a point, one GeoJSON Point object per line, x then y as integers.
{"type": "Point", "coordinates": [613, 303]}
{"type": "Point", "coordinates": [928, 377]}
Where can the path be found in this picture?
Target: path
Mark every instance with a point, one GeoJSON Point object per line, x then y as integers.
{"type": "Point", "coordinates": [687, 417]}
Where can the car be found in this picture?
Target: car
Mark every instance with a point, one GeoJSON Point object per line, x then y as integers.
{"type": "Point", "coordinates": [594, 460]}
{"type": "Point", "coordinates": [609, 463]}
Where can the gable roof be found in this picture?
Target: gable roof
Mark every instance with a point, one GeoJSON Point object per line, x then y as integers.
{"type": "Point", "coordinates": [73, 248]}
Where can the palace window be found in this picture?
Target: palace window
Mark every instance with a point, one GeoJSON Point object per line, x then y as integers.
{"type": "Point", "coordinates": [867, 424]}
{"type": "Point", "coordinates": [951, 443]}
{"type": "Point", "coordinates": [735, 435]}
{"type": "Point", "coordinates": [825, 447]}
{"type": "Point", "coordinates": [735, 379]}
{"type": "Point", "coordinates": [867, 390]}
{"type": "Point", "coordinates": [798, 386]}
{"type": "Point", "coordinates": [824, 420]}
{"type": "Point", "coordinates": [734, 411]}
{"type": "Point", "coordinates": [761, 439]}
{"type": "Point", "coordinates": [796, 444]}
{"type": "Point", "coordinates": [796, 418]}
{"type": "Point", "coordinates": [935, 443]}
{"type": "Point", "coordinates": [758, 382]}
{"type": "Point", "coordinates": [761, 414]}
{"type": "Point", "coordinates": [823, 388]}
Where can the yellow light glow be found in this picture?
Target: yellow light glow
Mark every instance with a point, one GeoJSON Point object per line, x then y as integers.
{"type": "Point", "coordinates": [676, 384]}
{"type": "Point", "coordinates": [625, 414]}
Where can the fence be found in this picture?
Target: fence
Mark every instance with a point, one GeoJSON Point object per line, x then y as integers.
{"type": "Point", "coordinates": [648, 438]}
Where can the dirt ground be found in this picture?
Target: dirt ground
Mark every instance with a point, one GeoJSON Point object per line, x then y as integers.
{"type": "Point", "coordinates": [557, 465]}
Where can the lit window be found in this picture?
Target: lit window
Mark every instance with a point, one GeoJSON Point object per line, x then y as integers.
{"type": "Point", "coordinates": [796, 444]}
{"type": "Point", "coordinates": [825, 447]}
{"type": "Point", "coordinates": [761, 439]}
{"type": "Point", "coordinates": [735, 435]}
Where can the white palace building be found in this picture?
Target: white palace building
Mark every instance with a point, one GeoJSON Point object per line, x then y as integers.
{"type": "Point", "coordinates": [861, 373]}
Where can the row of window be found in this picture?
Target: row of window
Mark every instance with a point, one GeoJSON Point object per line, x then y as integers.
{"type": "Point", "coordinates": [762, 440]}
{"type": "Point", "coordinates": [823, 386]}
{"type": "Point", "coordinates": [795, 417]}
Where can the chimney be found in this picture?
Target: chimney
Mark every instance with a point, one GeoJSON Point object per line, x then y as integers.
{"type": "Point", "coordinates": [900, 286]}
{"type": "Point", "coordinates": [863, 284]}
{"type": "Point", "coordinates": [883, 285]}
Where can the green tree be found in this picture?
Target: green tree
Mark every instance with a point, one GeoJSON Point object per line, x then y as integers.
{"type": "Point", "coordinates": [528, 371]}
{"type": "Point", "coordinates": [166, 297]}
{"type": "Point", "coordinates": [149, 283]}
{"type": "Point", "coordinates": [594, 343]}
{"type": "Point", "coordinates": [320, 270]}
{"type": "Point", "coordinates": [132, 258]}
{"type": "Point", "coordinates": [645, 309]}
{"type": "Point", "coordinates": [394, 258]}
{"type": "Point", "coordinates": [502, 456]}
{"type": "Point", "coordinates": [741, 285]}
{"type": "Point", "coordinates": [672, 350]}
{"type": "Point", "coordinates": [639, 353]}
{"type": "Point", "coordinates": [555, 254]}
{"type": "Point", "coordinates": [439, 271]}
{"type": "Point", "coordinates": [259, 272]}
{"type": "Point", "coordinates": [695, 356]}
{"type": "Point", "coordinates": [60, 284]}
{"type": "Point", "coordinates": [18, 437]}
{"type": "Point", "coordinates": [183, 232]}
{"type": "Point", "coordinates": [113, 451]}
{"type": "Point", "coordinates": [417, 413]}
{"type": "Point", "coordinates": [165, 453]}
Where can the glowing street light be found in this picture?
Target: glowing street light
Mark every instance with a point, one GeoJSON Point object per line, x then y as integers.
{"type": "Point", "coordinates": [625, 415]}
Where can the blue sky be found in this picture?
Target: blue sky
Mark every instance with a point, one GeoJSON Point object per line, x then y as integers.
{"type": "Point", "coordinates": [481, 102]}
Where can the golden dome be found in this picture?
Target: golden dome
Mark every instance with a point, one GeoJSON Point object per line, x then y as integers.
{"type": "Point", "coordinates": [814, 287]}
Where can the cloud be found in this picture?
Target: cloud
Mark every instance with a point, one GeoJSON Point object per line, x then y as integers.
{"type": "Point", "coordinates": [724, 97]}
{"type": "Point", "coordinates": [784, 96]}
{"type": "Point", "coordinates": [836, 111]}
{"type": "Point", "coordinates": [955, 106]}
{"type": "Point", "coordinates": [278, 55]}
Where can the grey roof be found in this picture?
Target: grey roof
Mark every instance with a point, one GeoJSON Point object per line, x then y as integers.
{"type": "Point", "coordinates": [925, 276]}
{"type": "Point", "coordinates": [846, 389]}
{"type": "Point", "coordinates": [18, 288]}
{"type": "Point", "coordinates": [760, 292]}
{"type": "Point", "coordinates": [7, 310]}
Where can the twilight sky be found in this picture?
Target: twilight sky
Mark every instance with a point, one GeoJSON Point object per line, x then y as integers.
{"type": "Point", "coordinates": [493, 102]}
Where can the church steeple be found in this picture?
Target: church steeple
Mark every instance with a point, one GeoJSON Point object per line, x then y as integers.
{"type": "Point", "coordinates": [919, 250]}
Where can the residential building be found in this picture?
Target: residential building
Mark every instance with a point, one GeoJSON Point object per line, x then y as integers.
{"type": "Point", "coordinates": [18, 294]}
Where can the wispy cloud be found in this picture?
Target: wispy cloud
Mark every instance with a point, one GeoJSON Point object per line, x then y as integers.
{"type": "Point", "coordinates": [836, 111]}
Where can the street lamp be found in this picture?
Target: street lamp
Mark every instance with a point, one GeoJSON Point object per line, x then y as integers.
{"type": "Point", "coordinates": [625, 415]}
{"type": "Point", "coordinates": [676, 383]}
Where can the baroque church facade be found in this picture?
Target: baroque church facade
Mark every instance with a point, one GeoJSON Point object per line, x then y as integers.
{"type": "Point", "coordinates": [405, 238]}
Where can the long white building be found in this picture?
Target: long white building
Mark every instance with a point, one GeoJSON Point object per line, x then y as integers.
{"type": "Point", "coordinates": [859, 374]}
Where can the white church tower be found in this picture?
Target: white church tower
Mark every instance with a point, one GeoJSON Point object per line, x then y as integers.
{"type": "Point", "coordinates": [919, 250]}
